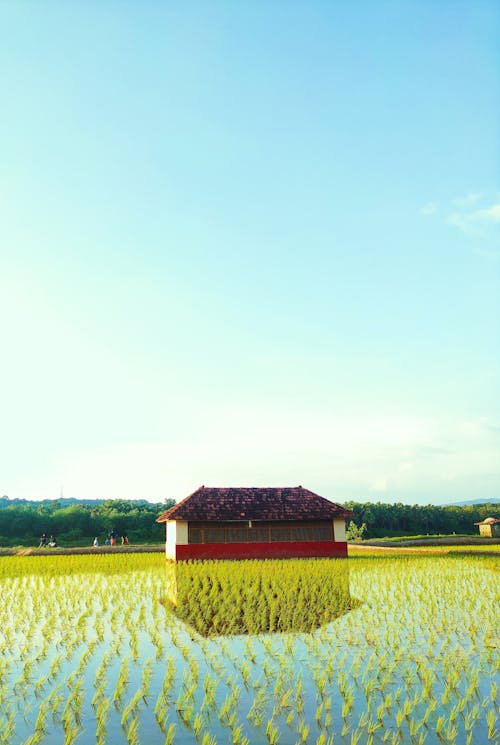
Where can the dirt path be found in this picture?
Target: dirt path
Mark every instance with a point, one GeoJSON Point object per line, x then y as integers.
{"type": "Point", "coordinates": [65, 551]}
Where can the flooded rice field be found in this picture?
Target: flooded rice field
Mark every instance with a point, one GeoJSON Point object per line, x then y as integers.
{"type": "Point", "coordinates": [129, 649]}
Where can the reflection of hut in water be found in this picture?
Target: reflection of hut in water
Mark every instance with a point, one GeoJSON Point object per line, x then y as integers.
{"type": "Point", "coordinates": [265, 596]}
{"type": "Point", "coordinates": [490, 528]}
{"type": "Point", "coordinates": [254, 523]}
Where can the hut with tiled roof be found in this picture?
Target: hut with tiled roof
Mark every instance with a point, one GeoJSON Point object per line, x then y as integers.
{"type": "Point", "coordinates": [254, 523]}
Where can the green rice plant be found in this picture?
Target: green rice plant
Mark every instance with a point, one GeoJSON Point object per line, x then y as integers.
{"type": "Point", "coordinates": [197, 726]}
{"type": "Point", "coordinates": [237, 736]}
{"type": "Point", "coordinates": [323, 739]}
{"type": "Point", "coordinates": [494, 691]}
{"type": "Point", "coordinates": [373, 725]}
{"type": "Point", "coordinates": [132, 732]}
{"type": "Point", "coordinates": [99, 694]}
{"type": "Point", "coordinates": [210, 690]}
{"type": "Point", "coordinates": [71, 732]}
{"type": "Point", "coordinates": [303, 731]}
{"type": "Point", "coordinates": [121, 683]}
{"type": "Point", "coordinates": [161, 711]}
{"type": "Point", "coordinates": [38, 686]}
{"type": "Point", "coordinates": [318, 715]}
{"type": "Point", "coordinates": [349, 697]}
{"type": "Point", "coordinates": [451, 732]}
{"type": "Point", "coordinates": [356, 736]}
{"type": "Point", "coordinates": [272, 733]}
{"type": "Point", "coordinates": [491, 719]}
{"type": "Point", "coordinates": [440, 726]}
{"type": "Point", "coordinates": [102, 716]}
{"type": "Point", "coordinates": [429, 710]}
{"type": "Point", "coordinates": [290, 718]}
{"type": "Point", "coordinates": [207, 739]}
{"type": "Point", "coordinates": [229, 705]}
{"type": "Point", "coordinates": [41, 720]}
{"type": "Point", "coordinates": [34, 739]}
{"type": "Point", "coordinates": [363, 720]}
{"type": "Point", "coordinates": [285, 700]}
{"type": "Point", "coordinates": [132, 708]}
{"type": "Point", "coordinates": [381, 711]}
{"type": "Point", "coordinates": [259, 706]}
{"type": "Point", "coordinates": [147, 673]}
{"type": "Point", "coordinates": [7, 724]}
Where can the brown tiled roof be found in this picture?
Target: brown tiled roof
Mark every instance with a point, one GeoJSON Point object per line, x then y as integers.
{"type": "Point", "coordinates": [254, 503]}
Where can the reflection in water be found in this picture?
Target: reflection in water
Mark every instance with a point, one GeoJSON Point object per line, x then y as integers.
{"type": "Point", "coordinates": [252, 597]}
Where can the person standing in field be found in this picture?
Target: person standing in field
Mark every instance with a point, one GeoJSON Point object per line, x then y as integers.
{"type": "Point", "coordinates": [43, 541]}
{"type": "Point", "coordinates": [96, 542]}
{"type": "Point", "coordinates": [112, 537]}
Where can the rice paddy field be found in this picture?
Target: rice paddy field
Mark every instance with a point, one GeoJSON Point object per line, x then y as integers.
{"type": "Point", "coordinates": [127, 649]}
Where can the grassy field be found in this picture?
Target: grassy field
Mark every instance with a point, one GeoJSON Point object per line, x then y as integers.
{"type": "Point", "coordinates": [437, 549]}
{"type": "Point", "coordinates": [388, 647]}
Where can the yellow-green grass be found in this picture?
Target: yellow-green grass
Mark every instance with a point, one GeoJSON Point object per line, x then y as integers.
{"type": "Point", "coordinates": [358, 550]}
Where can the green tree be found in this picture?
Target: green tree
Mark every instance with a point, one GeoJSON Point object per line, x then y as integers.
{"type": "Point", "coordinates": [355, 533]}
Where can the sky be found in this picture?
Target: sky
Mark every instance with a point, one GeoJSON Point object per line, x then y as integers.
{"type": "Point", "coordinates": [250, 244]}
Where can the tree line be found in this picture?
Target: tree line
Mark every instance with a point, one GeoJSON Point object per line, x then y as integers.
{"type": "Point", "coordinates": [77, 523]}
{"type": "Point", "coordinates": [389, 520]}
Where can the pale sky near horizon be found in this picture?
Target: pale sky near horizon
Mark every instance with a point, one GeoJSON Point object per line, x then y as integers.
{"type": "Point", "coordinates": [250, 244]}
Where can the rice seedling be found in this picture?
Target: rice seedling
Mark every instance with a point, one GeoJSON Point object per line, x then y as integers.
{"type": "Point", "coordinates": [131, 709]}
{"type": "Point", "coordinates": [102, 716]}
{"type": "Point", "coordinates": [133, 732]}
{"type": "Point", "coordinates": [208, 739]}
{"type": "Point", "coordinates": [122, 682]}
{"type": "Point", "coordinates": [7, 725]}
{"type": "Point", "coordinates": [491, 719]}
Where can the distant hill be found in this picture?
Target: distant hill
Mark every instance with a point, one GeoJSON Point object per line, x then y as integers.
{"type": "Point", "coordinates": [469, 502]}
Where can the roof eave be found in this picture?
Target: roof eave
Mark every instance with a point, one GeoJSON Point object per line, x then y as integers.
{"type": "Point", "coordinates": [189, 518]}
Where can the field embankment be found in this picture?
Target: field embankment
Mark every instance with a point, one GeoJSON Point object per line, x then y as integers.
{"type": "Point", "coordinates": [449, 540]}
{"type": "Point", "coordinates": [67, 551]}
{"type": "Point", "coordinates": [471, 545]}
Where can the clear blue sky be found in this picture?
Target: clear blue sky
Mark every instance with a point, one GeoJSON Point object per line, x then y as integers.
{"type": "Point", "coordinates": [250, 244]}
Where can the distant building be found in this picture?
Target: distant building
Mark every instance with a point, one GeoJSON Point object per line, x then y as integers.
{"type": "Point", "coordinates": [254, 523]}
{"type": "Point", "coordinates": [490, 527]}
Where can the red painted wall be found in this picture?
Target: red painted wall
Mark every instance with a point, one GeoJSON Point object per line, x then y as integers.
{"type": "Point", "coordinates": [276, 550]}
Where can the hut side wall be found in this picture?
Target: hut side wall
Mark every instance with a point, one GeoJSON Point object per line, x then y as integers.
{"type": "Point", "coordinates": [177, 534]}
{"type": "Point", "coordinates": [339, 531]}
{"type": "Point", "coordinates": [490, 530]}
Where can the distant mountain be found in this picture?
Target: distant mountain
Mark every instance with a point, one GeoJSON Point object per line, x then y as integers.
{"type": "Point", "coordinates": [470, 502]}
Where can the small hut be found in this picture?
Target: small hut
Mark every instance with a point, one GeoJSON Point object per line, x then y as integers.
{"type": "Point", "coordinates": [254, 523]}
{"type": "Point", "coordinates": [490, 527]}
